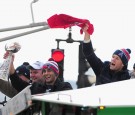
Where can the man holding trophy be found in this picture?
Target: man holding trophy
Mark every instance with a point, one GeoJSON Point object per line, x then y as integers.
{"type": "Point", "coordinates": [5, 85]}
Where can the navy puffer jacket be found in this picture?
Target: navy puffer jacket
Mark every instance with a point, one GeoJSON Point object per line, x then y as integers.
{"type": "Point", "coordinates": [102, 69]}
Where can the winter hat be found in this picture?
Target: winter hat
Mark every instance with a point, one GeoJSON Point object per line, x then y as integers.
{"type": "Point", "coordinates": [36, 65]}
{"type": "Point", "coordinates": [22, 70]}
{"type": "Point", "coordinates": [124, 55]}
{"type": "Point", "coordinates": [51, 64]}
{"type": "Point", "coordinates": [26, 63]}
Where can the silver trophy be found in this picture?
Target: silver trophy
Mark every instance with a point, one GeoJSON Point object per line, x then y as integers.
{"type": "Point", "coordinates": [4, 68]}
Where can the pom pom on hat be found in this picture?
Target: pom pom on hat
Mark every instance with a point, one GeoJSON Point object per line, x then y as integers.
{"type": "Point", "coordinates": [124, 55]}
{"type": "Point", "coordinates": [51, 64]}
{"type": "Point", "coordinates": [50, 59]}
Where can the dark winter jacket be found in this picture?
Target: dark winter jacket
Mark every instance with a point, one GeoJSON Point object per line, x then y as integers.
{"type": "Point", "coordinates": [37, 88]}
{"type": "Point", "coordinates": [102, 69]}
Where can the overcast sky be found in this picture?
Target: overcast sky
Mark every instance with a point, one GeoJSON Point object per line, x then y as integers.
{"type": "Point", "coordinates": [113, 20]}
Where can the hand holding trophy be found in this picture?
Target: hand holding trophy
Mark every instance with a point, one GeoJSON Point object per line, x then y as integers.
{"type": "Point", "coordinates": [4, 68]}
{"type": "Point", "coordinates": [13, 47]}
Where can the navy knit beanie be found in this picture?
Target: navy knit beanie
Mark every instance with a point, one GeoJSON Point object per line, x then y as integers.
{"type": "Point", "coordinates": [124, 55]}
{"type": "Point", "coordinates": [23, 70]}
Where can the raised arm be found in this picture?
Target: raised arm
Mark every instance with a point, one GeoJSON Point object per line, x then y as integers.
{"type": "Point", "coordinates": [86, 34]}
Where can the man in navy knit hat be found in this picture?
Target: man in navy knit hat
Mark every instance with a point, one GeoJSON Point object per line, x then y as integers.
{"type": "Point", "coordinates": [108, 71]}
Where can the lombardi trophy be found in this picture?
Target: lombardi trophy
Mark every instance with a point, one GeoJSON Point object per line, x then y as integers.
{"type": "Point", "coordinates": [4, 68]}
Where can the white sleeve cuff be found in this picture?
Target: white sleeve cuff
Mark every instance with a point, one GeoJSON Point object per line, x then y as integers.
{"type": "Point", "coordinates": [86, 41]}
